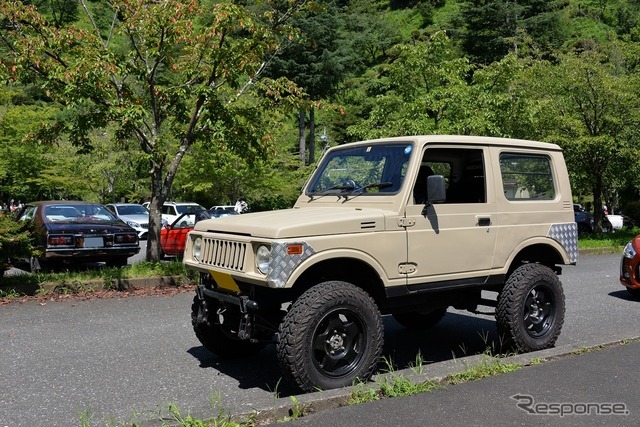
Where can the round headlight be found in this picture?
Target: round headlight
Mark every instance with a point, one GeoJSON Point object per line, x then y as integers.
{"type": "Point", "coordinates": [263, 254]}
{"type": "Point", "coordinates": [197, 248]}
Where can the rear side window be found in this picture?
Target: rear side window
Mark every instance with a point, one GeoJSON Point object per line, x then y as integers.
{"type": "Point", "coordinates": [526, 177]}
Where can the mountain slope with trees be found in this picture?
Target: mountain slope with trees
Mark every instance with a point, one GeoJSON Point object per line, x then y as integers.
{"type": "Point", "coordinates": [210, 102]}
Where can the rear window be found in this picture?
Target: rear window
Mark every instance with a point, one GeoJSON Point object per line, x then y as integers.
{"type": "Point", "coordinates": [527, 177]}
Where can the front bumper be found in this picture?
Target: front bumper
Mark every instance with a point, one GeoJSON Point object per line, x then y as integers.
{"type": "Point", "coordinates": [630, 272]}
{"type": "Point", "coordinates": [88, 255]}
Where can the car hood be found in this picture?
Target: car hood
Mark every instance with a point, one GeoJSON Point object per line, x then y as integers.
{"type": "Point", "coordinates": [142, 218]}
{"type": "Point", "coordinates": [88, 227]}
{"type": "Point", "coordinates": [291, 223]}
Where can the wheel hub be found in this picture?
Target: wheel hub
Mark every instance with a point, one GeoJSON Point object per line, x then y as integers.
{"type": "Point", "coordinates": [539, 312]}
{"type": "Point", "coordinates": [336, 342]}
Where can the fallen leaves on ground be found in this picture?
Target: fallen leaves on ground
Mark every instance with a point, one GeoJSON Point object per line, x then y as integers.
{"type": "Point", "coordinates": [142, 291]}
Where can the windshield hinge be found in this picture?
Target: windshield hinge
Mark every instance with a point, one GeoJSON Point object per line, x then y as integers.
{"type": "Point", "coordinates": [406, 222]}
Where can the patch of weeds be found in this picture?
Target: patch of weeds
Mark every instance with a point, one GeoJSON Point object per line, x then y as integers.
{"type": "Point", "coordinates": [86, 418]}
{"type": "Point", "coordinates": [392, 385]}
{"type": "Point", "coordinates": [487, 368]}
{"type": "Point", "coordinates": [363, 394]}
{"type": "Point", "coordinates": [66, 288]}
{"type": "Point", "coordinates": [418, 365]}
{"type": "Point", "coordinates": [581, 350]}
{"type": "Point", "coordinates": [295, 412]}
{"type": "Point", "coordinates": [399, 385]}
{"type": "Point", "coordinates": [9, 293]}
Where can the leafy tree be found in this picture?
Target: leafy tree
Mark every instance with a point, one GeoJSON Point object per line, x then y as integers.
{"type": "Point", "coordinates": [173, 79]}
{"type": "Point", "coordinates": [591, 109]}
{"type": "Point", "coordinates": [492, 26]}
{"type": "Point", "coordinates": [16, 240]}
{"type": "Point", "coordinates": [427, 88]}
{"type": "Point", "coordinates": [315, 62]}
{"type": "Point", "coordinates": [21, 161]}
{"type": "Point", "coordinates": [59, 12]}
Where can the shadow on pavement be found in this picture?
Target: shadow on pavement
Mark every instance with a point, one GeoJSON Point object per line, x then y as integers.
{"type": "Point", "coordinates": [624, 295]}
{"type": "Point", "coordinates": [457, 335]}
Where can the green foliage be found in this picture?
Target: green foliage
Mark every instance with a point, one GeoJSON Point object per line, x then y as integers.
{"type": "Point", "coordinates": [492, 26]}
{"type": "Point", "coordinates": [175, 77]}
{"type": "Point", "coordinates": [16, 239]}
{"type": "Point", "coordinates": [615, 241]}
{"type": "Point", "coordinates": [171, 100]}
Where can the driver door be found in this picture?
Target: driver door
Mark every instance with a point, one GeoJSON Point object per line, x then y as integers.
{"type": "Point", "coordinates": [452, 243]}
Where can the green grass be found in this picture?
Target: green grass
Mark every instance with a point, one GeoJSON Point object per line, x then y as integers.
{"type": "Point", "coordinates": [615, 240]}
{"type": "Point", "coordinates": [74, 281]}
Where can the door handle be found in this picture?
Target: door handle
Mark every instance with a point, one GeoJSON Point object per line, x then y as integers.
{"type": "Point", "coordinates": [484, 221]}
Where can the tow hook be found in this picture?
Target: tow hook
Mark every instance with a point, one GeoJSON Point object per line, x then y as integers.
{"type": "Point", "coordinates": [203, 313]}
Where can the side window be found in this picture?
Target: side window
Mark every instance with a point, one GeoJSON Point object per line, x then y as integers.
{"type": "Point", "coordinates": [167, 210]}
{"type": "Point", "coordinates": [463, 170]}
{"type": "Point", "coordinates": [28, 213]}
{"type": "Point", "coordinates": [526, 177]}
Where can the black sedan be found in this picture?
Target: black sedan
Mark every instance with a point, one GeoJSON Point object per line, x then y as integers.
{"type": "Point", "coordinates": [78, 232]}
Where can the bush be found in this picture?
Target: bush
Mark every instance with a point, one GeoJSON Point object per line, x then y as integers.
{"type": "Point", "coordinates": [632, 210]}
{"type": "Point", "coordinates": [16, 240]}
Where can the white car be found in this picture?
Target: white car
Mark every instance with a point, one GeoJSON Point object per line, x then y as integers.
{"type": "Point", "coordinates": [134, 215]}
{"type": "Point", "coordinates": [172, 210]}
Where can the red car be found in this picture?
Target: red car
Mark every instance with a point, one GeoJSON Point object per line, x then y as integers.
{"type": "Point", "coordinates": [173, 236]}
{"type": "Point", "coordinates": [630, 267]}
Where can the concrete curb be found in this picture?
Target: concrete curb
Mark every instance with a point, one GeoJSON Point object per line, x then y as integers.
{"type": "Point", "coordinates": [121, 283]}
{"type": "Point", "coordinates": [320, 401]}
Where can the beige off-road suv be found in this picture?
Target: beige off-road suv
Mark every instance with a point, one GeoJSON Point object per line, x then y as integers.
{"type": "Point", "coordinates": [406, 226]}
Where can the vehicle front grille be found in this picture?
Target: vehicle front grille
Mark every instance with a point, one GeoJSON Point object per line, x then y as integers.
{"type": "Point", "coordinates": [145, 226]}
{"type": "Point", "coordinates": [223, 254]}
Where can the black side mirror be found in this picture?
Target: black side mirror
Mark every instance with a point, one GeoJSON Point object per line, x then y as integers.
{"type": "Point", "coordinates": [436, 192]}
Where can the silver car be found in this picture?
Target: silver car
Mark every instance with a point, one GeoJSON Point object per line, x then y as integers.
{"type": "Point", "coordinates": [133, 214]}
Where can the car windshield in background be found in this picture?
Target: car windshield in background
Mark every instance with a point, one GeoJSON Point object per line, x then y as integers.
{"type": "Point", "coordinates": [219, 213]}
{"type": "Point", "coordinates": [77, 213]}
{"type": "Point", "coordinates": [188, 208]}
{"type": "Point", "coordinates": [132, 210]}
{"type": "Point", "coordinates": [366, 169]}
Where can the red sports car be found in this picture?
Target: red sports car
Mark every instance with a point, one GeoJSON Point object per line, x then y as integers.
{"type": "Point", "coordinates": [173, 236]}
{"type": "Point", "coordinates": [630, 267]}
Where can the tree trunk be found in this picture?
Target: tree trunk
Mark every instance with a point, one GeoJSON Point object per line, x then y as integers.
{"type": "Point", "coordinates": [301, 139]}
{"type": "Point", "coordinates": [597, 204]}
{"type": "Point", "coordinates": [312, 136]}
{"type": "Point", "coordinates": [158, 197]}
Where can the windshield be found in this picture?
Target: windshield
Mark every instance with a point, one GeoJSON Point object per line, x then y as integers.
{"type": "Point", "coordinates": [188, 208]}
{"type": "Point", "coordinates": [132, 210]}
{"type": "Point", "coordinates": [366, 169]}
{"type": "Point", "coordinates": [78, 213]}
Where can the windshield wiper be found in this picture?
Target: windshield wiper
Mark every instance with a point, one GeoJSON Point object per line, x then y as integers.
{"type": "Point", "coordinates": [332, 190]}
{"type": "Point", "coordinates": [361, 190]}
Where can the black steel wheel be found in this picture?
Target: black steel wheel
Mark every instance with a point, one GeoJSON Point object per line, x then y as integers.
{"type": "Point", "coordinates": [331, 337]}
{"type": "Point", "coordinates": [530, 310]}
{"type": "Point", "coordinates": [219, 339]}
{"type": "Point", "coordinates": [420, 320]}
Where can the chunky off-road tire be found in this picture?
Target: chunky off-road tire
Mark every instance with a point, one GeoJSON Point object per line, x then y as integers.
{"type": "Point", "coordinates": [420, 320]}
{"type": "Point", "coordinates": [331, 337]}
{"type": "Point", "coordinates": [216, 338]}
{"type": "Point", "coordinates": [530, 310]}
